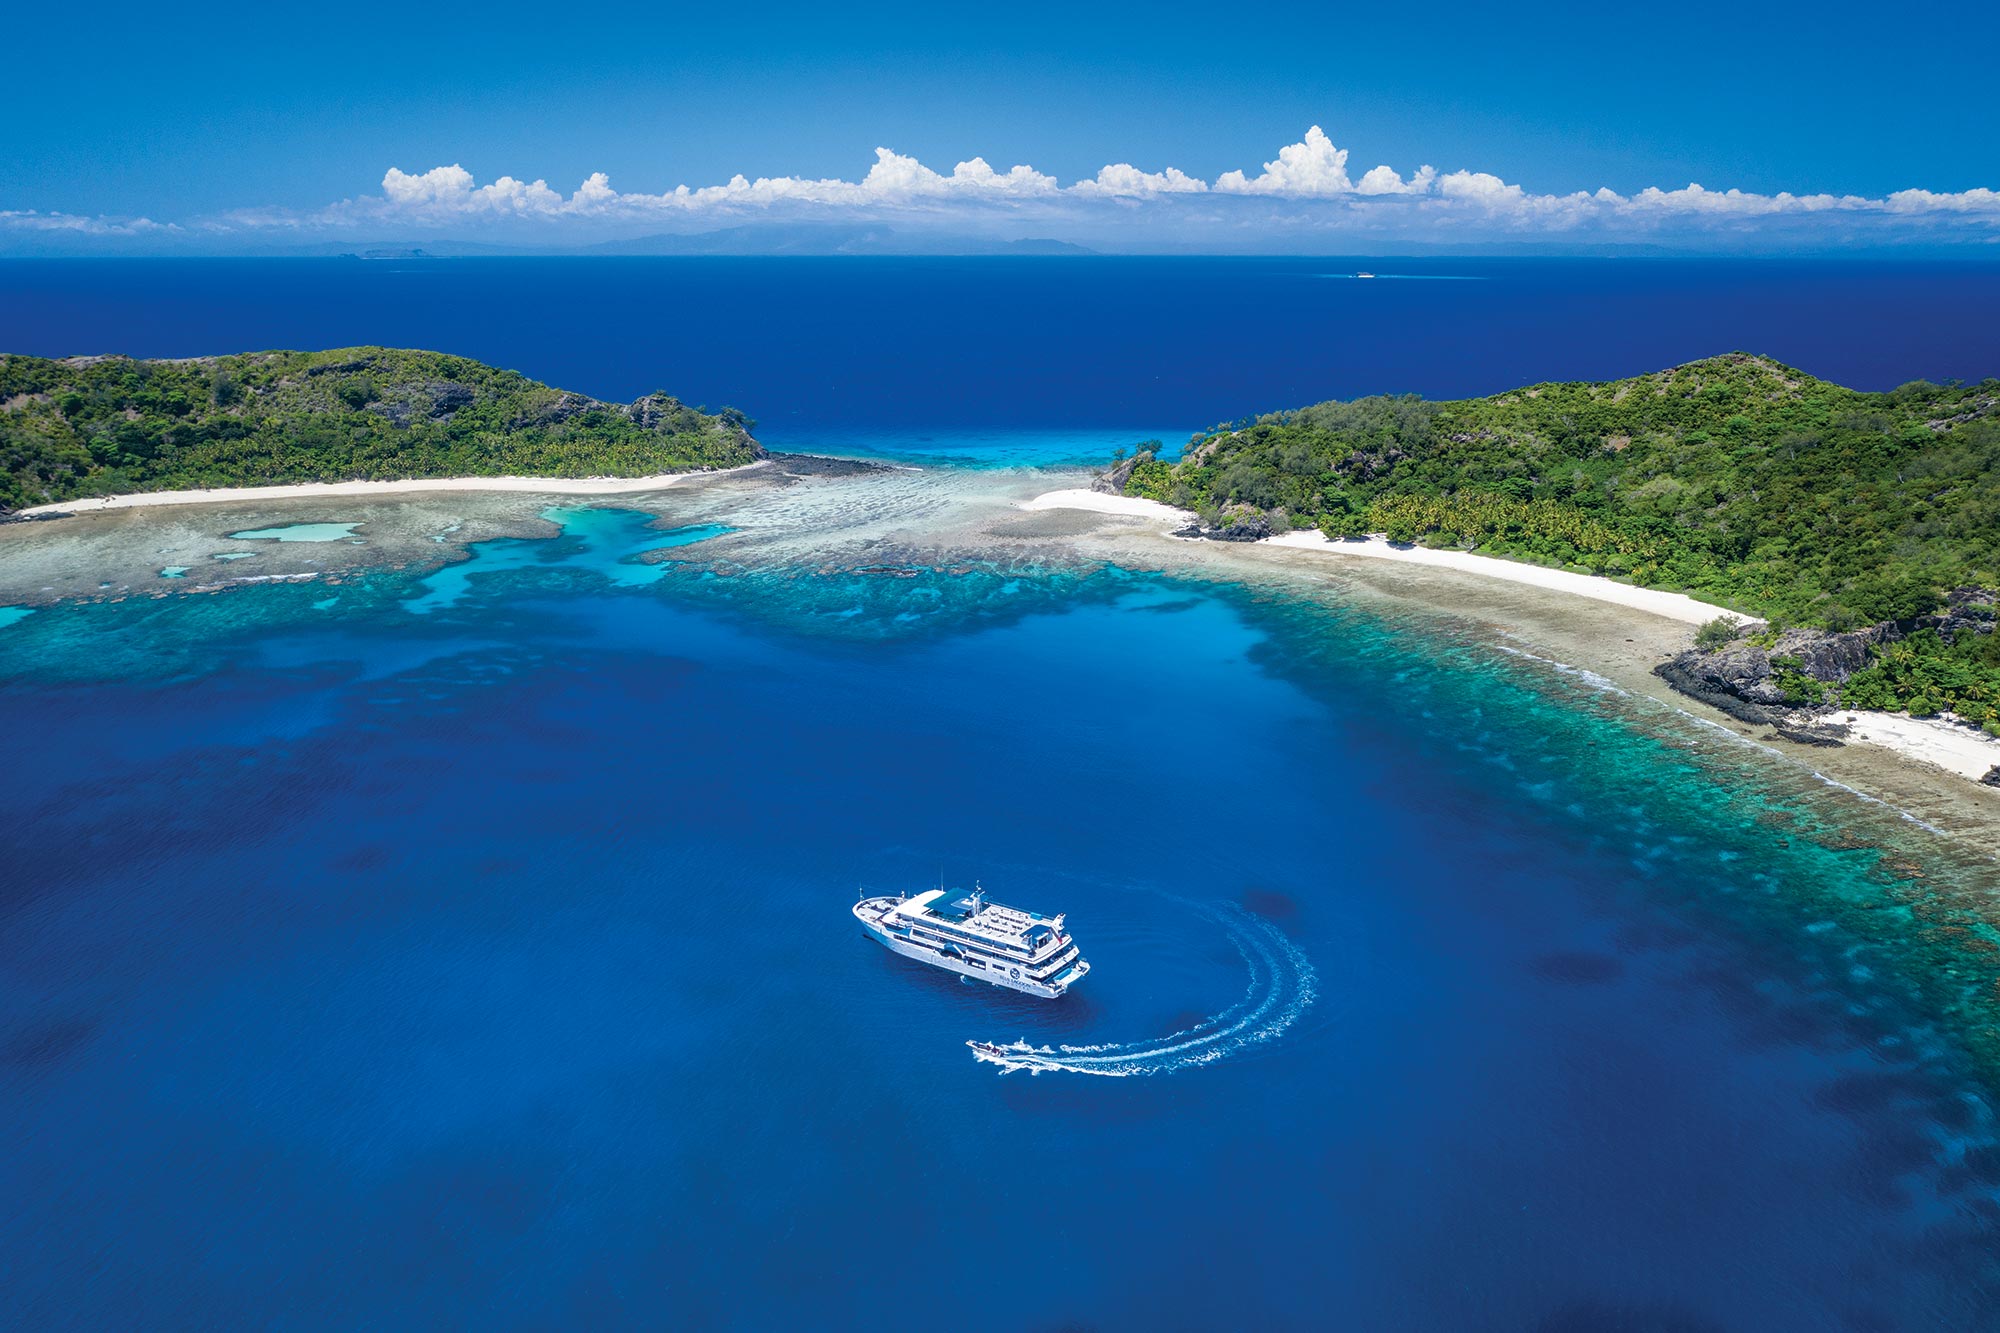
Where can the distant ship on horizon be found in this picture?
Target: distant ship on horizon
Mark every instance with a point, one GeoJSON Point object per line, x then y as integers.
{"type": "Point", "coordinates": [960, 931]}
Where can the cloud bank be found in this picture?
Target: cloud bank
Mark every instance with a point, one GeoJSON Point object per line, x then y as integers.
{"type": "Point", "coordinates": [1305, 198]}
{"type": "Point", "coordinates": [75, 224]}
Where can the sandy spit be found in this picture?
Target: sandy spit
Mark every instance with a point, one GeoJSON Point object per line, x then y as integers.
{"type": "Point", "coordinates": [369, 489]}
{"type": "Point", "coordinates": [1673, 605]}
{"type": "Point", "coordinates": [1099, 503]}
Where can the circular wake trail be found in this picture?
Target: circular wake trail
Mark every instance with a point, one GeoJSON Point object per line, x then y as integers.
{"type": "Point", "coordinates": [1281, 987]}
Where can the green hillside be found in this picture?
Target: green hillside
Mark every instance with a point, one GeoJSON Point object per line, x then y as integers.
{"type": "Point", "coordinates": [1735, 478]}
{"type": "Point", "coordinates": [107, 425]}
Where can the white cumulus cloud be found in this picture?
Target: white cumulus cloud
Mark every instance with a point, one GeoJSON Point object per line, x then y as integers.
{"type": "Point", "coordinates": [1310, 169]}
{"type": "Point", "coordinates": [1387, 180]}
{"type": "Point", "coordinates": [80, 224]}
{"type": "Point", "coordinates": [1965, 201]}
{"type": "Point", "coordinates": [1693, 199]}
{"type": "Point", "coordinates": [1311, 174]}
{"type": "Point", "coordinates": [1124, 181]}
{"type": "Point", "coordinates": [1303, 196]}
{"type": "Point", "coordinates": [451, 189]}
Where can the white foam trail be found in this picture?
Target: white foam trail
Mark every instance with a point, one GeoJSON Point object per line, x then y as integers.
{"type": "Point", "coordinates": [1584, 674]}
{"type": "Point", "coordinates": [1876, 800]}
{"type": "Point", "coordinates": [1282, 986]}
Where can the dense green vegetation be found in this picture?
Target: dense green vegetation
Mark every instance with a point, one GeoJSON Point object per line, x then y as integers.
{"type": "Point", "coordinates": [1925, 675]}
{"type": "Point", "coordinates": [1717, 633]}
{"type": "Point", "coordinates": [1736, 479]}
{"type": "Point", "coordinates": [107, 425]}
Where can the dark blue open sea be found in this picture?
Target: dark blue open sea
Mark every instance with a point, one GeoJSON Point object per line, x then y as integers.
{"type": "Point", "coordinates": [472, 949]}
{"type": "Point", "coordinates": [844, 345]}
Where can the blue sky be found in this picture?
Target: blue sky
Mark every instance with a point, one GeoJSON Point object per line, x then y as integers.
{"type": "Point", "coordinates": [229, 122]}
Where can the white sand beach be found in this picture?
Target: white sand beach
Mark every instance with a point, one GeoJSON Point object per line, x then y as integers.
{"type": "Point", "coordinates": [369, 489]}
{"type": "Point", "coordinates": [1955, 749]}
{"type": "Point", "coordinates": [1673, 605]}
{"type": "Point", "coordinates": [1098, 503]}
{"type": "Point", "coordinates": [1947, 745]}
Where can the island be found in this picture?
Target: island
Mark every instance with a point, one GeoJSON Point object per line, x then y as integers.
{"type": "Point", "coordinates": [1856, 533]}
{"type": "Point", "coordinates": [115, 425]}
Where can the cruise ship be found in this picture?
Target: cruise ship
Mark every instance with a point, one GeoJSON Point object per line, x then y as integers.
{"type": "Point", "coordinates": [960, 931]}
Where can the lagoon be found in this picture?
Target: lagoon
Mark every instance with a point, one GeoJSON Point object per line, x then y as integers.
{"type": "Point", "coordinates": [504, 950]}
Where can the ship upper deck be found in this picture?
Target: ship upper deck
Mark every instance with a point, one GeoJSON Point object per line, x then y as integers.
{"type": "Point", "coordinates": [968, 914]}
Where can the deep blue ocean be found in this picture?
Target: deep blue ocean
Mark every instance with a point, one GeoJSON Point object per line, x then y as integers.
{"type": "Point", "coordinates": [471, 947]}
{"type": "Point", "coordinates": [839, 345]}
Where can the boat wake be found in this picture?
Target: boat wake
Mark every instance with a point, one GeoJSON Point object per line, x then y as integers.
{"type": "Point", "coordinates": [1282, 986]}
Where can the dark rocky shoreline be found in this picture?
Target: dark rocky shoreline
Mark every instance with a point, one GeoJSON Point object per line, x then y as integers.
{"type": "Point", "coordinates": [1741, 678]}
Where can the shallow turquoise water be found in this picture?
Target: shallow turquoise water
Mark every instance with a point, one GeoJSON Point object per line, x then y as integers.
{"type": "Point", "coordinates": [494, 963]}
{"type": "Point", "coordinates": [996, 447]}
{"type": "Point", "coordinates": [298, 532]}
{"type": "Point", "coordinates": [602, 542]}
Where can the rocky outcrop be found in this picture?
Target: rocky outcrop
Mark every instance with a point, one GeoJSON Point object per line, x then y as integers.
{"type": "Point", "coordinates": [1239, 523]}
{"type": "Point", "coordinates": [563, 407]}
{"type": "Point", "coordinates": [1826, 657]}
{"type": "Point", "coordinates": [1965, 609]}
{"type": "Point", "coordinates": [349, 367]}
{"type": "Point", "coordinates": [1113, 482]}
{"type": "Point", "coordinates": [1825, 734]}
{"type": "Point", "coordinates": [1992, 778]}
{"type": "Point", "coordinates": [656, 411]}
{"type": "Point", "coordinates": [447, 398]}
{"type": "Point", "coordinates": [405, 404]}
{"type": "Point", "coordinates": [1735, 680]}
{"type": "Point", "coordinates": [1739, 678]}
{"type": "Point", "coordinates": [818, 465]}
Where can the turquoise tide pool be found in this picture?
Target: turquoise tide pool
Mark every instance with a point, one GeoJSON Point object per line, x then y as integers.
{"type": "Point", "coordinates": [604, 542]}
{"type": "Point", "coordinates": [298, 532]}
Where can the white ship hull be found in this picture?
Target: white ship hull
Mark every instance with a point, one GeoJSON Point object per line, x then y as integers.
{"type": "Point", "coordinates": [1012, 974]}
